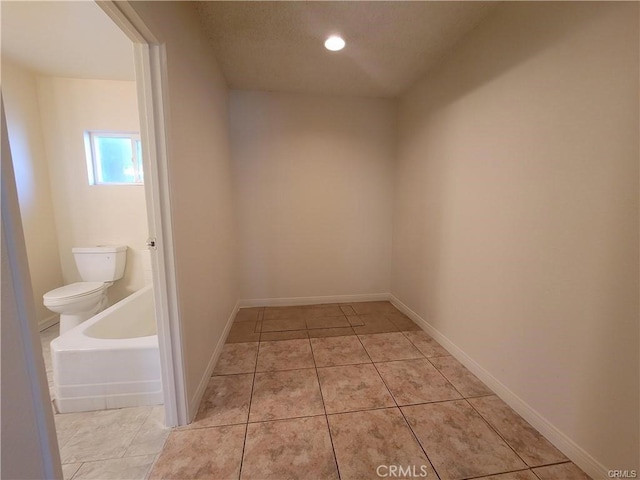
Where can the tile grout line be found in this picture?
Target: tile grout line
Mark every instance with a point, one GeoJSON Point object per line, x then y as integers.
{"type": "Point", "coordinates": [253, 382]}
{"type": "Point", "coordinates": [76, 472]}
{"type": "Point", "coordinates": [497, 432]}
{"type": "Point", "coordinates": [495, 429]}
{"type": "Point", "coordinates": [324, 407]}
{"type": "Point", "coordinates": [400, 410]}
{"type": "Point", "coordinates": [481, 477]}
{"type": "Point", "coordinates": [462, 395]}
{"type": "Point", "coordinates": [135, 434]}
{"type": "Point", "coordinates": [464, 398]}
{"type": "Point", "coordinates": [404, 333]}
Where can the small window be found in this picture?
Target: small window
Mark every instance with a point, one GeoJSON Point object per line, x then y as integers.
{"type": "Point", "coordinates": [114, 158]}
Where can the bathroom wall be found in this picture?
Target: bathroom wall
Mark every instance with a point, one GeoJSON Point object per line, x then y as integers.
{"type": "Point", "coordinates": [516, 214]}
{"type": "Point", "coordinates": [199, 163]}
{"type": "Point", "coordinates": [19, 91]}
{"type": "Point", "coordinates": [313, 180]}
{"type": "Point", "coordinates": [86, 214]}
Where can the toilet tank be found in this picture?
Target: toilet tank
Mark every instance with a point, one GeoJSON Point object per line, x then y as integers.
{"type": "Point", "coordinates": [103, 263]}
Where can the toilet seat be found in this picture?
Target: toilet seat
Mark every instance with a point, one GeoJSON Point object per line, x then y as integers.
{"type": "Point", "coordinates": [73, 291]}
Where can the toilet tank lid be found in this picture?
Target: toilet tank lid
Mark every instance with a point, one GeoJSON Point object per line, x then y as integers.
{"type": "Point", "coordinates": [100, 249]}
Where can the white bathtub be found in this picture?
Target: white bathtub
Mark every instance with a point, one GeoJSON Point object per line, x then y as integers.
{"type": "Point", "coordinates": [111, 360]}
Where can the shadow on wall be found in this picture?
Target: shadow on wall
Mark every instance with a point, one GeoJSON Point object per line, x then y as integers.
{"type": "Point", "coordinates": [516, 216]}
{"type": "Point", "coordinates": [486, 57]}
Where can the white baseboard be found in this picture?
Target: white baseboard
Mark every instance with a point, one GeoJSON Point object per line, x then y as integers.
{"type": "Point", "coordinates": [562, 442]}
{"type": "Point", "coordinates": [204, 381]}
{"type": "Point", "coordinates": [293, 301]}
{"type": "Point", "coordinates": [48, 322]}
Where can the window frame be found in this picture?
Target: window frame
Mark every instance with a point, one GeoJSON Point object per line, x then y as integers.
{"type": "Point", "coordinates": [93, 157]}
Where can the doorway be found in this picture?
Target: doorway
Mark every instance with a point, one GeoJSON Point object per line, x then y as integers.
{"type": "Point", "coordinates": [148, 86]}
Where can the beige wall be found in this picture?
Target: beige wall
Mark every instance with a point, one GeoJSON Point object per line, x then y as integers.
{"type": "Point", "coordinates": [86, 214]}
{"type": "Point", "coordinates": [29, 444]}
{"type": "Point", "coordinates": [19, 90]}
{"type": "Point", "coordinates": [516, 212]}
{"type": "Point", "coordinates": [313, 179]}
{"type": "Point", "coordinates": [200, 183]}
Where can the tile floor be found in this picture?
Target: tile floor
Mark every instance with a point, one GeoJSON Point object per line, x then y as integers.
{"type": "Point", "coordinates": [336, 391]}
{"type": "Point", "coordinates": [120, 444]}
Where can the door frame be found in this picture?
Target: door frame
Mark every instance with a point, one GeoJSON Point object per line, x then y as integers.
{"type": "Point", "coordinates": [151, 80]}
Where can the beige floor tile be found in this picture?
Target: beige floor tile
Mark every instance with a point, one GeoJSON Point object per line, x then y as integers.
{"type": "Point", "coordinates": [353, 387]}
{"type": "Point", "coordinates": [363, 441]}
{"type": "Point", "coordinates": [331, 332]}
{"type": "Point", "coordinates": [237, 358]}
{"type": "Point", "coordinates": [287, 335]}
{"type": "Point", "coordinates": [201, 453]}
{"type": "Point", "coordinates": [327, 322]}
{"type": "Point", "coordinates": [521, 475]}
{"type": "Point", "coordinates": [289, 449]}
{"type": "Point", "coordinates": [403, 322]}
{"type": "Point", "coordinates": [284, 355]}
{"type": "Point", "coordinates": [355, 320]}
{"type": "Point", "coordinates": [225, 402]}
{"type": "Point", "coordinates": [286, 394]}
{"type": "Point", "coordinates": [425, 343]}
{"type": "Point", "coordinates": [375, 323]}
{"type": "Point", "coordinates": [243, 332]}
{"type": "Point", "coordinates": [384, 347]}
{"type": "Point", "coordinates": [322, 311]}
{"type": "Point", "coordinates": [373, 307]}
{"type": "Point", "coordinates": [564, 471]}
{"type": "Point", "coordinates": [67, 424]}
{"type": "Point", "coordinates": [279, 313]}
{"type": "Point", "coordinates": [248, 314]}
{"type": "Point", "coordinates": [129, 468]}
{"type": "Point", "coordinates": [280, 325]}
{"type": "Point", "coordinates": [532, 447]}
{"type": "Point", "coordinates": [416, 381]}
{"type": "Point", "coordinates": [103, 435]}
{"type": "Point", "coordinates": [152, 434]}
{"type": "Point", "coordinates": [458, 442]}
{"type": "Point", "coordinates": [333, 351]}
{"type": "Point", "coordinates": [347, 310]}
{"type": "Point", "coordinates": [69, 470]}
{"type": "Point", "coordinates": [101, 444]}
{"type": "Point", "coordinates": [465, 382]}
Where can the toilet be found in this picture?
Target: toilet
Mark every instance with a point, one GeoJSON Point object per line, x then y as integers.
{"type": "Point", "coordinates": [99, 267]}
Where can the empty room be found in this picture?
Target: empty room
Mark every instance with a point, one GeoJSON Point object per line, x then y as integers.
{"type": "Point", "coordinates": [381, 240]}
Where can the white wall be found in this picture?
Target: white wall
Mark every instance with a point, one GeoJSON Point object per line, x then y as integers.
{"type": "Point", "coordinates": [19, 90]}
{"type": "Point", "coordinates": [313, 179]}
{"type": "Point", "coordinates": [199, 165]}
{"type": "Point", "coordinates": [516, 212]}
{"type": "Point", "coordinates": [86, 214]}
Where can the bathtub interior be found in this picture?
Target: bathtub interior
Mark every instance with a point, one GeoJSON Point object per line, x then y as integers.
{"type": "Point", "coordinates": [135, 319]}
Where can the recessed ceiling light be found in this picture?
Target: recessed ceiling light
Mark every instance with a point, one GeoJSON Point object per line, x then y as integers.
{"type": "Point", "coordinates": [334, 43]}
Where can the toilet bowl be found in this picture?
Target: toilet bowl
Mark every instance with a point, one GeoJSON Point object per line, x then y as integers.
{"type": "Point", "coordinates": [76, 302]}
{"type": "Point", "coordinates": [99, 267]}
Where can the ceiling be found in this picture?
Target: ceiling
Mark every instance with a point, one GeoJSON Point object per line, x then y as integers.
{"type": "Point", "coordinates": [278, 46]}
{"type": "Point", "coordinates": [65, 39]}
{"type": "Point", "coordinates": [274, 46]}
